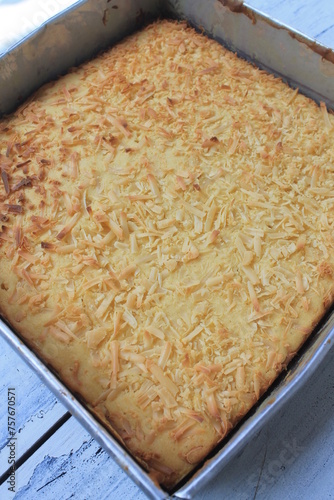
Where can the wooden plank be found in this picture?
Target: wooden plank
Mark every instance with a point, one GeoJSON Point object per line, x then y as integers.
{"type": "Point", "coordinates": [71, 465]}
{"type": "Point", "coordinates": [36, 408]}
{"type": "Point", "coordinates": [316, 19]}
{"type": "Point", "coordinates": [19, 18]}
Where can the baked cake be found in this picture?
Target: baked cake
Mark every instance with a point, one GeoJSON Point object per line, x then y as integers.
{"type": "Point", "coordinates": [166, 236]}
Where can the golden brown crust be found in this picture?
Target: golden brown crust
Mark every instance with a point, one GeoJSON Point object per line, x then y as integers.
{"type": "Point", "coordinates": [166, 236]}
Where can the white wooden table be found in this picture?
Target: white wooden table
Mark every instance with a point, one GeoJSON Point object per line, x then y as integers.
{"type": "Point", "coordinates": [292, 457]}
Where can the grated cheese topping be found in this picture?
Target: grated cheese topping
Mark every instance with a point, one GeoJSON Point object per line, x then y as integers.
{"type": "Point", "coordinates": [166, 236]}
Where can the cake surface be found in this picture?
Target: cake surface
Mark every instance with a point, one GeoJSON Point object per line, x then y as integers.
{"type": "Point", "coordinates": [166, 236]}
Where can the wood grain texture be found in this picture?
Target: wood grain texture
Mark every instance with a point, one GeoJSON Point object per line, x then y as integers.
{"type": "Point", "coordinates": [316, 19]}
{"type": "Point", "coordinates": [37, 409]}
{"type": "Point", "coordinates": [72, 465]}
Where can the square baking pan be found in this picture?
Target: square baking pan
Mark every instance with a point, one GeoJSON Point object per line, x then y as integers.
{"type": "Point", "coordinates": [91, 26]}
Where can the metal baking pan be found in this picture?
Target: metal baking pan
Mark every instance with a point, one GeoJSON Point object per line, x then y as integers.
{"type": "Point", "coordinates": [92, 25]}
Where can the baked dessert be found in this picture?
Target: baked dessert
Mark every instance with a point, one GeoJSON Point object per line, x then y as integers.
{"type": "Point", "coordinates": [166, 236]}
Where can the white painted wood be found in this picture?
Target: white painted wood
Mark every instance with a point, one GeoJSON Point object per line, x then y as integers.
{"type": "Point", "coordinates": [72, 465]}
{"type": "Point", "coordinates": [36, 408]}
{"type": "Point", "coordinates": [21, 17]}
{"type": "Point", "coordinates": [316, 19]}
